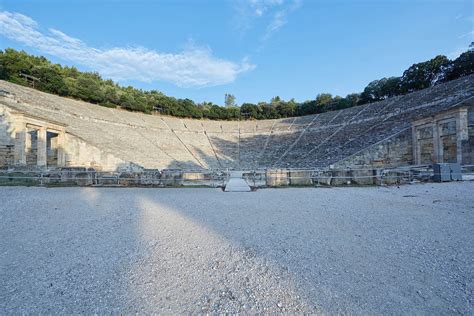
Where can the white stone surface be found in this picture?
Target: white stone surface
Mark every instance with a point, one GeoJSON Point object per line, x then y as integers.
{"type": "Point", "coordinates": [237, 183]}
{"type": "Point", "coordinates": [114, 139]}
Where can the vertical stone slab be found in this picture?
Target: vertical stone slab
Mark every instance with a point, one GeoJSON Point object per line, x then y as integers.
{"type": "Point", "coordinates": [20, 142]}
{"type": "Point", "coordinates": [462, 132]}
{"type": "Point", "coordinates": [437, 145]}
{"type": "Point", "coordinates": [61, 150]}
{"type": "Point", "coordinates": [416, 145]}
{"type": "Point", "coordinates": [41, 161]}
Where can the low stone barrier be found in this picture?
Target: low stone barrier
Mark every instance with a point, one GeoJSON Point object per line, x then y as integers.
{"type": "Point", "coordinates": [214, 178]}
{"type": "Point", "coordinates": [299, 177]}
{"type": "Point", "coordinates": [277, 178]}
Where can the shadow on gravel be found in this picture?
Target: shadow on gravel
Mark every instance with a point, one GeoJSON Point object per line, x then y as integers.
{"type": "Point", "coordinates": [343, 250]}
{"type": "Point", "coordinates": [358, 250]}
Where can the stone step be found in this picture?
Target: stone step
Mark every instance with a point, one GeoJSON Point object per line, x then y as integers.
{"type": "Point", "coordinates": [237, 183]}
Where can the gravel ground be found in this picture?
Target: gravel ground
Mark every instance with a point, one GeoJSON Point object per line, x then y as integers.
{"type": "Point", "coordinates": [372, 250]}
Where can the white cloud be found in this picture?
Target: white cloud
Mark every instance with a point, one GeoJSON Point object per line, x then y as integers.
{"type": "Point", "coordinates": [275, 11]}
{"type": "Point", "coordinates": [279, 19]}
{"type": "Point", "coordinates": [193, 67]}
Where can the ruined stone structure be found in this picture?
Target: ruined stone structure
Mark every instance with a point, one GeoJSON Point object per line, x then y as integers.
{"type": "Point", "coordinates": [40, 130]}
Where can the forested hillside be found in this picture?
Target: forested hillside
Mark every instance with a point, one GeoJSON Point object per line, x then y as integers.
{"type": "Point", "coordinates": [22, 68]}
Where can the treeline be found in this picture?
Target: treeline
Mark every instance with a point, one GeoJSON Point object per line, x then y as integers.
{"type": "Point", "coordinates": [20, 67]}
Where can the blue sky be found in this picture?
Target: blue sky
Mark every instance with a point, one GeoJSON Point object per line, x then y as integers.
{"type": "Point", "coordinates": [254, 49]}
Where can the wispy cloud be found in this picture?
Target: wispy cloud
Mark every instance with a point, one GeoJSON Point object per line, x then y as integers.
{"type": "Point", "coordinates": [280, 18]}
{"type": "Point", "coordinates": [193, 67]}
{"type": "Point", "coordinates": [471, 34]}
{"type": "Point", "coordinates": [274, 12]}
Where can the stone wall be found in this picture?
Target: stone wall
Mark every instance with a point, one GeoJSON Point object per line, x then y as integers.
{"type": "Point", "coordinates": [81, 176]}
{"type": "Point", "coordinates": [398, 150]}
{"type": "Point", "coordinates": [424, 135]}
{"type": "Point", "coordinates": [81, 154]}
{"type": "Point", "coordinates": [314, 141]}
{"type": "Point", "coordinates": [468, 145]}
{"type": "Point", "coordinates": [6, 140]}
{"type": "Point", "coordinates": [341, 177]}
{"type": "Point", "coordinates": [78, 152]}
{"type": "Point", "coordinates": [366, 135]}
{"type": "Point", "coordinates": [393, 152]}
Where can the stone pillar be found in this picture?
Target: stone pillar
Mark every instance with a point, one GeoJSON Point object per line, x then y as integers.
{"type": "Point", "coordinates": [41, 150]}
{"type": "Point", "coordinates": [437, 144]}
{"type": "Point", "coordinates": [416, 145]}
{"type": "Point", "coordinates": [28, 141]}
{"type": "Point", "coordinates": [462, 132]}
{"type": "Point", "coordinates": [20, 142]}
{"type": "Point", "coordinates": [61, 150]}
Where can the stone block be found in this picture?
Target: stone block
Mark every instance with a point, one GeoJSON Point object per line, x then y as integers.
{"type": "Point", "coordinates": [341, 177]}
{"type": "Point", "coordinates": [364, 177]}
{"type": "Point", "coordinates": [150, 177]}
{"type": "Point", "coordinates": [78, 176]}
{"type": "Point", "coordinates": [196, 178]}
{"type": "Point", "coordinates": [171, 177]}
{"type": "Point", "coordinates": [301, 177]}
{"type": "Point", "coordinates": [277, 177]}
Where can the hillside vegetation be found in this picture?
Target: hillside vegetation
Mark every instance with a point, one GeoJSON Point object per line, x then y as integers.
{"type": "Point", "coordinates": [66, 81]}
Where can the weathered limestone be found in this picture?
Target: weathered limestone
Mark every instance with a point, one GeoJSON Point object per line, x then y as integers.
{"type": "Point", "coordinates": [237, 183]}
{"type": "Point", "coordinates": [372, 135]}
{"type": "Point", "coordinates": [300, 177]}
{"type": "Point", "coordinates": [277, 178]}
{"type": "Point", "coordinates": [41, 150]}
{"type": "Point", "coordinates": [440, 138]}
{"type": "Point", "coordinates": [29, 137]}
{"type": "Point", "coordinates": [20, 142]}
{"type": "Point", "coordinates": [78, 176]}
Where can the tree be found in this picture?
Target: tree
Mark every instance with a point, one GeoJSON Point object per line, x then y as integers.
{"type": "Point", "coordinates": [229, 100]}
{"type": "Point", "coordinates": [89, 90]}
{"type": "Point", "coordinates": [268, 111]}
{"type": "Point", "coordinates": [323, 98]}
{"type": "Point", "coordinates": [275, 100]}
{"type": "Point", "coordinates": [91, 87]}
{"type": "Point", "coordinates": [111, 94]}
{"type": "Point", "coordinates": [462, 66]}
{"type": "Point", "coordinates": [286, 109]}
{"type": "Point", "coordinates": [50, 79]}
{"type": "Point", "coordinates": [249, 110]}
{"type": "Point", "coordinates": [13, 63]}
{"type": "Point", "coordinates": [352, 99]}
{"type": "Point", "coordinates": [423, 75]}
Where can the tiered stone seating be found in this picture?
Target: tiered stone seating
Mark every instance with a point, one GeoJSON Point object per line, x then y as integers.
{"type": "Point", "coordinates": [251, 146]}
{"type": "Point", "coordinates": [155, 141]}
{"type": "Point", "coordinates": [248, 127]}
{"type": "Point", "coordinates": [199, 146]}
{"type": "Point", "coordinates": [305, 148]}
{"type": "Point", "coordinates": [265, 126]}
{"type": "Point", "coordinates": [173, 123]}
{"type": "Point", "coordinates": [212, 126]}
{"type": "Point", "coordinates": [284, 125]}
{"type": "Point", "coordinates": [193, 125]}
{"type": "Point", "coordinates": [276, 147]}
{"type": "Point", "coordinates": [226, 147]}
{"type": "Point", "coordinates": [302, 122]}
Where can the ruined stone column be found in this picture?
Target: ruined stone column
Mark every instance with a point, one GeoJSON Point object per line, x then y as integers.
{"type": "Point", "coordinates": [20, 142]}
{"type": "Point", "coordinates": [61, 150]}
{"type": "Point", "coordinates": [416, 145]}
{"type": "Point", "coordinates": [437, 144]}
{"type": "Point", "coordinates": [42, 154]}
{"type": "Point", "coordinates": [462, 132]}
